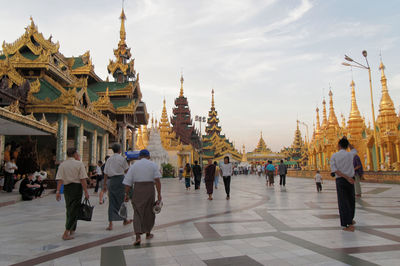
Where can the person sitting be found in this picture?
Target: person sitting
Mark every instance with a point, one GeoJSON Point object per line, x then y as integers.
{"type": "Point", "coordinates": [27, 189]}
{"type": "Point", "coordinates": [39, 181]}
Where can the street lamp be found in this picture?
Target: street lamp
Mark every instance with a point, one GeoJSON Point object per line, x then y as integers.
{"type": "Point", "coordinates": [367, 67]}
{"type": "Point", "coordinates": [200, 119]}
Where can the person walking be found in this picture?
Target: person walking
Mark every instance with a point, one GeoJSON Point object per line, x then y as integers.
{"type": "Point", "coordinates": [197, 175]}
{"type": "Point", "coordinates": [99, 176]}
{"type": "Point", "coordinates": [209, 176]}
{"type": "Point", "coordinates": [187, 174]}
{"type": "Point", "coordinates": [282, 170]}
{"type": "Point", "coordinates": [116, 167]}
{"type": "Point", "coordinates": [318, 181]}
{"type": "Point", "coordinates": [217, 172]}
{"type": "Point", "coordinates": [343, 169]}
{"type": "Point", "coordinates": [143, 175]}
{"type": "Point", "coordinates": [226, 173]}
{"type": "Point", "coordinates": [101, 185]}
{"type": "Point", "coordinates": [72, 174]}
{"type": "Point", "coordinates": [9, 175]}
{"type": "Point", "coordinates": [270, 170]}
{"type": "Point", "coordinates": [358, 173]}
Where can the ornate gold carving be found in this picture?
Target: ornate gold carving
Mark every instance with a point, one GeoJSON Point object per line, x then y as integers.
{"type": "Point", "coordinates": [12, 112]}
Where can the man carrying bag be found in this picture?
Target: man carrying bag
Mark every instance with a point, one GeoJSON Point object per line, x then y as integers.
{"type": "Point", "coordinates": [73, 175]}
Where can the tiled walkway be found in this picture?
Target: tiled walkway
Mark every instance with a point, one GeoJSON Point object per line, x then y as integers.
{"type": "Point", "coordinates": [258, 226]}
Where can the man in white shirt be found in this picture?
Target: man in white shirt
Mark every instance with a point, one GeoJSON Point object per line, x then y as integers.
{"type": "Point", "coordinates": [72, 174]}
{"type": "Point", "coordinates": [144, 175]}
{"type": "Point", "coordinates": [9, 170]}
{"type": "Point", "coordinates": [226, 173]}
{"type": "Point", "coordinates": [116, 167]}
{"type": "Point", "coordinates": [342, 166]}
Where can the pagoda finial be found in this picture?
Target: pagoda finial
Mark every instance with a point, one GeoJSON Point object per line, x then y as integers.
{"type": "Point", "coordinates": [182, 80]}
{"type": "Point", "coordinates": [107, 93]}
{"type": "Point", "coordinates": [122, 32]}
{"type": "Point", "coordinates": [324, 117]}
{"type": "Point", "coordinates": [212, 99]}
{"type": "Point", "coordinates": [318, 124]}
{"type": "Point", "coordinates": [332, 116]}
{"type": "Point", "coordinates": [354, 112]}
{"type": "Point", "coordinates": [387, 111]}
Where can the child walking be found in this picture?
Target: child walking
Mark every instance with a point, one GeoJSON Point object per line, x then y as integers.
{"type": "Point", "coordinates": [318, 181]}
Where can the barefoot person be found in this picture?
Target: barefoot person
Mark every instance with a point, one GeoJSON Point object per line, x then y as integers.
{"type": "Point", "coordinates": [116, 167]}
{"type": "Point", "coordinates": [342, 167]}
{"type": "Point", "coordinates": [143, 175]}
{"type": "Point", "coordinates": [72, 174]}
{"type": "Point", "coordinates": [209, 178]}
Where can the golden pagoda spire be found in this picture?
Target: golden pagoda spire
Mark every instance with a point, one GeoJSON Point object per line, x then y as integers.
{"type": "Point", "coordinates": [324, 119]}
{"type": "Point", "coordinates": [332, 116]}
{"type": "Point", "coordinates": [354, 112]}
{"type": "Point", "coordinates": [182, 80]}
{"type": "Point", "coordinates": [317, 129]}
{"type": "Point", "coordinates": [386, 105]}
{"type": "Point", "coordinates": [122, 32]}
{"type": "Point", "coordinates": [212, 99]}
{"type": "Point", "coordinates": [343, 121]}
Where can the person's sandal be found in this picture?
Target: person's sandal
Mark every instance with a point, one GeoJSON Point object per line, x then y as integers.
{"type": "Point", "coordinates": [136, 243]}
{"type": "Point", "coordinates": [126, 222]}
{"type": "Point", "coordinates": [149, 236]}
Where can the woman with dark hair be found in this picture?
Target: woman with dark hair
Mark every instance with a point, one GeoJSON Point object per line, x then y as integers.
{"type": "Point", "coordinates": [226, 172]}
{"type": "Point", "coordinates": [217, 172]}
{"type": "Point", "coordinates": [187, 174]}
{"type": "Point", "coordinates": [209, 178]}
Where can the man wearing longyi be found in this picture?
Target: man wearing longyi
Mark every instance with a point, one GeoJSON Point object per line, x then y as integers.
{"type": "Point", "coordinates": [143, 175]}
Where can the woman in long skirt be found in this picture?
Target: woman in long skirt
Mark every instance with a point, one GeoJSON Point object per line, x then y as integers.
{"type": "Point", "coordinates": [209, 178]}
{"type": "Point", "coordinates": [217, 172]}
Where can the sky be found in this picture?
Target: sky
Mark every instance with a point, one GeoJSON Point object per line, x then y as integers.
{"type": "Point", "coordinates": [270, 62]}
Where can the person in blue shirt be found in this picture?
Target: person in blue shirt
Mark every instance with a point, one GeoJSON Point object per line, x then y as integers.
{"type": "Point", "coordinates": [270, 169]}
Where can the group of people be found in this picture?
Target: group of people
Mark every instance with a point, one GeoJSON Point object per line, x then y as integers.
{"type": "Point", "coordinates": [270, 170]}
{"type": "Point", "coordinates": [122, 182]}
{"type": "Point", "coordinates": [212, 172]}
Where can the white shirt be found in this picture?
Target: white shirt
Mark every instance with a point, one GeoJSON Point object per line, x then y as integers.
{"type": "Point", "coordinates": [71, 171]}
{"type": "Point", "coordinates": [318, 178]}
{"type": "Point", "coordinates": [98, 170]}
{"type": "Point", "coordinates": [226, 169]}
{"type": "Point", "coordinates": [116, 165]}
{"type": "Point", "coordinates": [142, 171]}
{"type": "Point", "coordinates": [343, 161]}
{"type": "Point", "coordinates": [9, 167]}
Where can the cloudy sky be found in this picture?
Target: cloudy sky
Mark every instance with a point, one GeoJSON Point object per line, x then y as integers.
{"type": "Point", "coordinates": [269, 61]}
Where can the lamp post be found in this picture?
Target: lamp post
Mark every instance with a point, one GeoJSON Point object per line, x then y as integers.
{"type": "Point", "coordinates": [200, 119]}
{"type": "Point", "coordinates": [367, 67]}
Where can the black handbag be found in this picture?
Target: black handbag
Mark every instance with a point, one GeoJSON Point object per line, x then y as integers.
{"type": "Point", "coordinates": [85, 211]}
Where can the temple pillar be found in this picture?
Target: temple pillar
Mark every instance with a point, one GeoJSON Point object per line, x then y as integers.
{"type": "Point", "coordinates": [123, 138]}
{"type": "Point", "coordinates": [104, 147]}
{"type": "Point", "coordinates": [93, 151]}
{"type": "Point", "coordinates": [2, 140]}
{"type": "Point", "coordinates": [397, 152]}
{"type": "Point", "coordinates": [61, 152]}
{"type": "Point", "coordinates": [79, 140]}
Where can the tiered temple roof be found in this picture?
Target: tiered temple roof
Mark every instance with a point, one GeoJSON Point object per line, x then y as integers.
{"type": "Point", "coordinates": [182, 122]}
{"type": "Point", "coordinates": [215, 145]}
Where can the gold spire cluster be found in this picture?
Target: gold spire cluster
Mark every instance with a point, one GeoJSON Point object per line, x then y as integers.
{"type": "Point", "coordinates": [181, 91]}
{"type": "Point", "coordinates": [325, 138]}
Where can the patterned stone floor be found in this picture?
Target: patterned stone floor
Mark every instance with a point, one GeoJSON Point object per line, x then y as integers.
{"type": "Point", "coordinates": [258, 226]}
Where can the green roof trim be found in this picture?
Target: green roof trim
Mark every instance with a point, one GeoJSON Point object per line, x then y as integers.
{"type": "Point", "coordinates": [102, 86]}
{"type": "Point", "coordinates": [208, 153]}
{"type": "Point", "coordinates": [121, 102]}
{"type": "Point", "coordinates": [47, 91]}
{"type": "Point", "coordinates": [92, 96]}
{"type": "Point", "coordinates": [29, 55]}
{"type": "Point", "coordinates": [78, 62]}
{"type": "Point", "coordinates": [2, 57]}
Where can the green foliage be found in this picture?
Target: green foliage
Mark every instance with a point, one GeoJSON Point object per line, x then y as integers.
{"type": "Point", "coordinates": [167, 170]}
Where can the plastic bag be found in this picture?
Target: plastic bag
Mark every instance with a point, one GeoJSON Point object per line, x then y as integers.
{"type": "Point", "coordinates": [123, 210]}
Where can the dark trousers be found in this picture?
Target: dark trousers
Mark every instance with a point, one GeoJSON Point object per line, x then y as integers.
{"type": "Point", "coordinates": [98, 180]}
{"type": "Point", "coordinates": [73, 197]}
{"type": "Point", "coordinates": [227, 184]}
{"type": "Point", "coordinates": [346, 201]}
{"type": "Point", "coordinates": [8, 182]}
{"type": "Point", "coordinates": [282, 180]}
{"type": "Point", "coordinates": [197, 181]}
{"type": "Point", "coordinates": [319, 186]}
{"type": "Point", "coordinates": [30, 193]}
{"type": "Point", "coordinates": [187, 182]}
